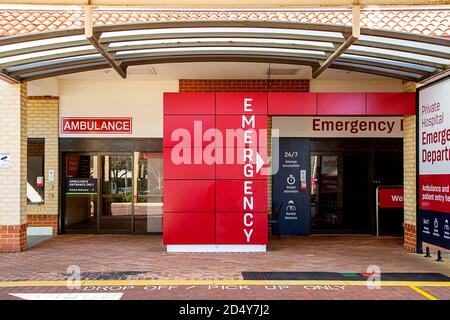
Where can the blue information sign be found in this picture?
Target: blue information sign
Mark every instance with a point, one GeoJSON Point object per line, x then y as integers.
{"type": "Point", "coordinates": [291, 186]}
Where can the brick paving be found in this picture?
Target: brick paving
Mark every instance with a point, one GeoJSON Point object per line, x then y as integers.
{"type": "Point", "coordinates": [257, 292]}
{"type": "Point", "coordinates": [144, 257]}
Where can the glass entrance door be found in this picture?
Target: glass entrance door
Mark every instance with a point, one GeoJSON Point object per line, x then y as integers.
{"type": "Point", "coordinates": [112, 192]}
{"type": "Point", "coordinates": [340, 193]}
{"type": "Point", "coordinates": [81, 206]}
{"type": "Point", "coordinates": [116, 193]}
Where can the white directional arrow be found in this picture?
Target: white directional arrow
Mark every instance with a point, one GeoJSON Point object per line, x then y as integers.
{"type": "Point", "coordinates": [259, 162]}
{"type": "Point", "coordinates": [70, 296]}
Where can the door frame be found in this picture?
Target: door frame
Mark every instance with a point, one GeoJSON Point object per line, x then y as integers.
{"type": "Point", "coordinates": [63, 208]}
{"type": "Point", "coordinates": [371, 212]}
{"type": "Point", "coordinates": [101, 175]}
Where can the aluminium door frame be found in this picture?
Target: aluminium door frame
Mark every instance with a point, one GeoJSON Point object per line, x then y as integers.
{"type": "Point", "coordinates": [63, 179]}
{"type": "Point", "coordinates": [101, 173]}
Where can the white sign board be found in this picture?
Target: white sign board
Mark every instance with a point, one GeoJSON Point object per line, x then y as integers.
{"type": "Point", "coordinates": [433, 156]}
{"type": "Point", "coordinates": [339, 127]}
{"type": "Point", "coordinates": [5, 161]}
{"type": "Point", "coordinates": [434, 129]}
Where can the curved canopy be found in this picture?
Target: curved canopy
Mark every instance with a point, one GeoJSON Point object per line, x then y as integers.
{"type": "Point", "coordinates": [393, 54]}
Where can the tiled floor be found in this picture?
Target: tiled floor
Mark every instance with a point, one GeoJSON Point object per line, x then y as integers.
{"type": "Point", "coordinates": [144, 257]}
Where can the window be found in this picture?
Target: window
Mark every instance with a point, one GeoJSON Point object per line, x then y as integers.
{"type": "Point", "coordinates": [35, 170]}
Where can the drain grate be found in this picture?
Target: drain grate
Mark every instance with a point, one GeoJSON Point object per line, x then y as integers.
{"type": "Point", "coordinates": [346, 276]}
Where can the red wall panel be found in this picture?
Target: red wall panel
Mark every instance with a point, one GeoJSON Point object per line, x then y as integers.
{"type": "Point", "coordinates": [292, 103]}
{"type": "Point", "coordinates": [391, 103]}
{"type": "Point", "coordinates": [341, 103]}
{"type": "Point", "coordinates": [230, 195]}
{"type": "Point", "coordinates": [201, 123]}
{"type": "Point", "coordinates": [188, 228]}
{"type": "Point", "coordinates": [233, 102]}
{"type": "Point", "coordinates": [189, 196]}
{"type": "Point", "coordinates": [233, 163]}
{"type": "Point", "coordinates": [236, 122]}
{"type": "Point", "coordinates": [230, 228]}
{"type": "Point", "coordinates": [189, 103]}
{"type": "Point", "coordinates": [187, 169]}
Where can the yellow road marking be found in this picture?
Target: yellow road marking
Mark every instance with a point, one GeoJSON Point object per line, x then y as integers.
{"type": "Point", "coordinates": [84, 283]}
{"type": "Point", "coordinates": [423, 293]}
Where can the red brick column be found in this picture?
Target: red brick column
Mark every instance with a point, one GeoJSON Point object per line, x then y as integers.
{"type": "Point", "coordinates": [410, 239]}
{"type": "Point", "coordinates": [13, 238]}
{"type": "Point", "coordinates": [243, 85]}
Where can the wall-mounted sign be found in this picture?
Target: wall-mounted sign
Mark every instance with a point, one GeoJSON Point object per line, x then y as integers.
{"type": "Point", "coordinates": [96, 125]}
{"type": "Point", "coordinates": [51, 175]}
{"type": "Point", "coordinates": [81, 185]}
{"type": "Point", "coordinates": [339, 127]}
{"type": "Point", "coordinates": [291, 188]}
{"type": "Point", "coordinates": [5, 161]}
{"type": "Point", "coordinates": [40, 181]}
{"type": "Point", "coordinates": [433, 157]}
{"type": "Point", "coordinates": [390, 197]}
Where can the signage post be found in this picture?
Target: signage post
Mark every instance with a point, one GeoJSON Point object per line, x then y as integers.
{"type": "Point", "coordinates": [433, 164]}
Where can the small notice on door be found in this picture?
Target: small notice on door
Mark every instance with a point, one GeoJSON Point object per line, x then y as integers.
{"type": "Point", "coordinates": [81, 185]}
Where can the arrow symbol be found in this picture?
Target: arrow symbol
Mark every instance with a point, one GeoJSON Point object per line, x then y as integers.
{"type": "Point", "coordinates": [259, 162]}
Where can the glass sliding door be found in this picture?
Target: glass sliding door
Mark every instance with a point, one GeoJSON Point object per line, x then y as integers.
{"type": "Point", "coordinates": [116, 193]}
{"type": "Point", "coordinates": [339, 193]}
{"type": "Point", "coordinates": [81, 193]}
{"type": "Point", "coordinates": [148, 192]}
{"type": "Point", "coordinates": [112, 192]}
{"type": "Point", "coordinates": [326, 191]}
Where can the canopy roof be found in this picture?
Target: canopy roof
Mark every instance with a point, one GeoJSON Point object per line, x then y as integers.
{"type": "Point", "coordinates": [393, 54]}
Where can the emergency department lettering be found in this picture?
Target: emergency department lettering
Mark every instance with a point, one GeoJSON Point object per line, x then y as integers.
{"type": "Point", "coordinates": [354, 126]}
{"type": "Point", "coordinates": [96, 125]}
{"type": "Point", "coordinates": [248, 157]}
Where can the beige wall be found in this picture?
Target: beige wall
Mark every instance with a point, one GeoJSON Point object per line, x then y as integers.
{"type": "Point", "coordinates": [43, 87]}
{"type": "Point", "coordinates": [409, 162]}
{"type": "Point", "coordinates": [409, 169]}
{"type": "Point", "coordinates": [141, 100]}
{"type": "Point", "coordinates": [43, 115]}
{"type": "Point", "coordinates": [13, 133]}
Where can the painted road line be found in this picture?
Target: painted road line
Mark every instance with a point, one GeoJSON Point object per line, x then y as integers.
{"type": "Point", "coordinates": [423, 293]}
{"type": "Point", "coordinates": [83, 283]}
{"type": "Point", "coordinates": [69, 296]}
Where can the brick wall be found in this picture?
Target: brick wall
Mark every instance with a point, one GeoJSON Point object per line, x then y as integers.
{"type": "Point", "coordinates": [13, 130]}
{"type": "Point", "coordinates": [43, 117]}
{"type": "Point", "coordinates": [13, 238]}
{"type": "Point", "coordinates": [43, 220]}
{"type": "Point", "coordinates": [409, 174]}
{"type": "Point", "coordinates": [243, 85]}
